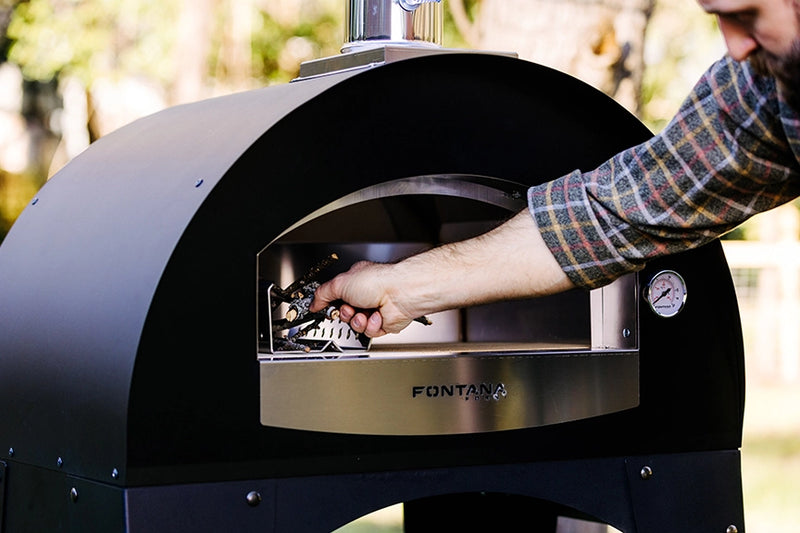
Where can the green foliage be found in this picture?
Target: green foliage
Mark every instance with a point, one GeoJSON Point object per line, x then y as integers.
{"type": "Point", "coordinates": [452, 38]}
{"type": "Point", "coordinates": [6, 8]}
{"type": "Point", "coordinates": [279, 47]}
{"type": "Point", "coordinates": [267, 45]}
{"type": "Point", "coordinates": [94, 38]}
{"type": "Point", "coordinates": [681, 43]}
{"type": "Point", "coordinates": [91, 38]}
{"type": "Point", "coordinates": [16, 192]}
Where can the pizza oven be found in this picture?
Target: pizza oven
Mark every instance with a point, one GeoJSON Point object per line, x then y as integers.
{"type": "Point", "coordinates": [153, 378]}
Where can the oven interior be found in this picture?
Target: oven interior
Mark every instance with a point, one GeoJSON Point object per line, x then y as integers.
{"type": "Point", "coordinates": [392, 220]}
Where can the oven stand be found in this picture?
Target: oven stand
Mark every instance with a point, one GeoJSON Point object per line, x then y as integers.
{"type": "Point", "coordinates": [698, 492]}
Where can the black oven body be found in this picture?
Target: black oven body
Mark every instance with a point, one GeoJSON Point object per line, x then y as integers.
{"type": "Point", "coordinates": [129, 384]}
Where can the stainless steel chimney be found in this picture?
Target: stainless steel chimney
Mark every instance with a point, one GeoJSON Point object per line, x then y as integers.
{"type": "Point", "coordinates": [373, 23]}
{"type": "Point", "coordinates": [378, 32]}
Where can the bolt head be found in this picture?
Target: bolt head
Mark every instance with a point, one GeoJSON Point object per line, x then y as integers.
{"type": "Point", "coordinates": [646, 472]}
{"type": "Point", "coordinates": [253, 498]}
{"type": "Point", "coordinates": [732, 529]}
{"type": "Point", "coordinates": [73, 495]}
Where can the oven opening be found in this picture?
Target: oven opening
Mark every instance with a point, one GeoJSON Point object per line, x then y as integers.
{"type": "Point", "coordinates": [392, 220]}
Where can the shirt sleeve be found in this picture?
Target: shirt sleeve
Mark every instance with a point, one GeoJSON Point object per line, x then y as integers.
{"type": "Point", "coordinates": [723, 158]}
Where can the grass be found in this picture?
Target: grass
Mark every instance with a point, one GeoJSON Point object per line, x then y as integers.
{"type": "Point", "coordinates": [771, 459]}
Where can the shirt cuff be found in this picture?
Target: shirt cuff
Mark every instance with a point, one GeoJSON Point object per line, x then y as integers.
{"type": "Point", "coordinates": [563, 212]}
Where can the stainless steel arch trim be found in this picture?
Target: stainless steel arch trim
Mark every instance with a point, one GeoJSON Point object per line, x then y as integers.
{"type": "Point", "coordinates": [494, 191]}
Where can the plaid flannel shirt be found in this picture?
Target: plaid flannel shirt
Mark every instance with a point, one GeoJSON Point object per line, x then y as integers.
{"type": "Point", "coordinates": [733, 150]}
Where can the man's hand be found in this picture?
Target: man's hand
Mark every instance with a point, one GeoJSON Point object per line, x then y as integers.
{"type": "Point", "coordinates": [370, 306]}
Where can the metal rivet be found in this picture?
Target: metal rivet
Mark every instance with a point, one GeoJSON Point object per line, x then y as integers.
{"type": "Point", "coordinates": [198, 183]}
{"type": "Point", "coordinates": [626, 333]}
{"type": "Point", "coordinates": [59, 462]}
{"type": "Point", "coordinates": [732, 529]}
{"type": "Point", "coordinates": [115, 474]}
{"type": "Point", "coordinates": [253, 498]}
{"type": "Point", "coordinates": [11, 452]}
{"type": "Point", "coordinates": [646, 472]}
{"type": "Point", "coordinates": [73, 494]}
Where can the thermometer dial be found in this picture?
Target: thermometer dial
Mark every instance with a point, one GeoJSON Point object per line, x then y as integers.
{"type": "Point", "coordinates": [666, 293]}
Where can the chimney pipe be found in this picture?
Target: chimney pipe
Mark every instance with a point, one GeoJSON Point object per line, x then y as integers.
{"type": "Point", "coordinates": [375, 23]}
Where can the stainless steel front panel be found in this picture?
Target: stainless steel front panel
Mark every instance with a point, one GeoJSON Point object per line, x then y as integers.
{"type": "Point", "coordinates": [444, 392]}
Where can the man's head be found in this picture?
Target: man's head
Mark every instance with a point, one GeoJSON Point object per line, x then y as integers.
{"type": "Point", "coordinates": [768, 33]}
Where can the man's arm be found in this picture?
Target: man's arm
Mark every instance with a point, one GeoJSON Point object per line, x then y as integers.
{"type": "Point", "coordinates": [723, 158]}
{"type": "Point", "coordinates": [508, 262]}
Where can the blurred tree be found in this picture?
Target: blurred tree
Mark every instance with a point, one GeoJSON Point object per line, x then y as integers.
{"type": "Point", "coordinates": [92, 38]}
{"type": "Point", "coordinates": [293, 31]}
{"type": "Point", "coordinates": [599, 41]}
{"type": "Point", "coordinates": [96, 42]}
{"type": "Point", "coordinates": [24, 138]}
{"type": "Point", "coordinates": [681, 44]}
{"type": "Point", "coordinates": [6, 8]}
{"type": "Point", "coordinates": [191, 49]}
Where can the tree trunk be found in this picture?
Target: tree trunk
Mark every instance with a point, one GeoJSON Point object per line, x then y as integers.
{"type": "Point", "coordinates": [194, 30]}
{"type": "Point", "coordinates": [234, 65]}
{"type": "Point", "coordinates": [597, 41]}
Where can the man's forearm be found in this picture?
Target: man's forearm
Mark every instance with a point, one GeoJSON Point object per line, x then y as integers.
{"type": "Point", "coordinates": [509, 262]}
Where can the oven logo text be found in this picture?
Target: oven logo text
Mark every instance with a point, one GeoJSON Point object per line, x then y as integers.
{"type": "Point", "coordinates": [467, 391]}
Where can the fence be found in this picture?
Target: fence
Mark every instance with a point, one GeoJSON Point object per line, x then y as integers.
{"type": "Point", "coordinates": [767, 278]}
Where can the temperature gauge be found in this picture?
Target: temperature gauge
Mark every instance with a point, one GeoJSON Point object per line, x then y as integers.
{"type": "Point", "coordinates": [666, 293]}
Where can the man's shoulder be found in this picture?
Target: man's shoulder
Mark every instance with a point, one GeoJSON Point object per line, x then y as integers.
{"type": "Point", "coordinates": [728, 72]}
{"type": "Point", "coordinates": [736, 91]}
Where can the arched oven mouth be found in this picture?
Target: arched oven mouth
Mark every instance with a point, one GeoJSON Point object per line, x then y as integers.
{"type": "Point", "coordinates": [392, 220]}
